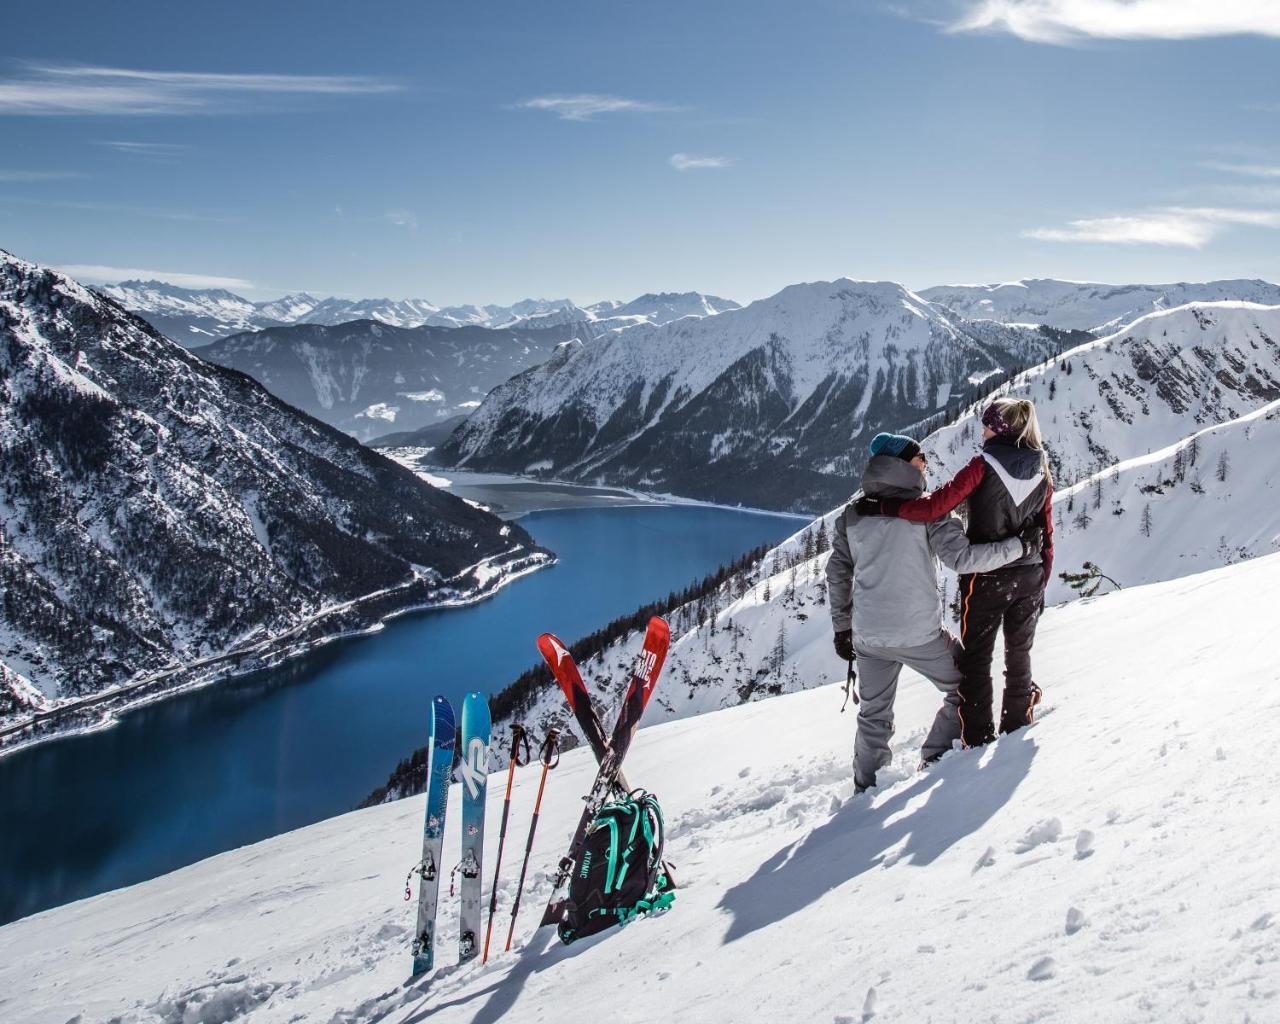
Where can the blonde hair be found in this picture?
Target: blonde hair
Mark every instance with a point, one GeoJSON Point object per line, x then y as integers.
{"type": "Point", "coordinates": [1020, 414]}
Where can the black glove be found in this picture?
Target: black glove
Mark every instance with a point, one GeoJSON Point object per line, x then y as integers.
{"type": "Point", "coordinates": [865, 506]}
{"type": "Point", "coordinates": [1032, 537]}
{"type": "Point", "coordinates": [844, 644]}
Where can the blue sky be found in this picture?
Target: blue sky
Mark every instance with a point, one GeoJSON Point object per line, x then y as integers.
{"type": "Point", "coordinates": [485, 152]}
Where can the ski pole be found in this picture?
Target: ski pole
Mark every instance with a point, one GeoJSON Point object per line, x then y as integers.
{"type": "Point", "coordinates": [550, 757]}
{"type": "Point", "coordinates": [850, 687]}
{"type": "Point", "coordinates": [518, 739]}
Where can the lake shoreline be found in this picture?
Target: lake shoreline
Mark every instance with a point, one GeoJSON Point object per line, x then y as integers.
{"type": "Point", "coordinates": [88, 713]}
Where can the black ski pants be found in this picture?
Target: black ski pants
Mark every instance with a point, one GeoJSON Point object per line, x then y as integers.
{"type": "Point", "coordinates": [1010, 598]}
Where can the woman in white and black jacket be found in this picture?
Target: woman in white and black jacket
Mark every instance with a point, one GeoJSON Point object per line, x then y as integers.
{"type": "Point", "coordinates": [1008, 487]}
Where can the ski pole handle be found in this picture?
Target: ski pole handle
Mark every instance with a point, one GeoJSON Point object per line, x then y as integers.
{"type": "Point", "coordinates": [519, 741]}
{"type": "Point", "coordinates": [549, 755]}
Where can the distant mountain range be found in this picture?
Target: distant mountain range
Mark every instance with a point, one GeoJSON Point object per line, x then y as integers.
{"type": "Point", "coordinates": [1085, 306]}
{"type": "Point", "coordinates": [770, 405]}
{"type": "Point", "coordinates": [368, 378]}
{"type": "Point", "coordinates": [194, 317]}
{"type": "Point", "coordinates": [159, 510]}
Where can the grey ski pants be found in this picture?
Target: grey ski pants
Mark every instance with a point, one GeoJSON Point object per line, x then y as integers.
{"type": "Point", "coordinates": [878, 669]}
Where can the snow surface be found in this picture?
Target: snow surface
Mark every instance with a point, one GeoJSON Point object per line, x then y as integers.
{"type": "Point", "coordinates": [1109, 863]}
{"type": "Point", "coordinates": [1088, 306]}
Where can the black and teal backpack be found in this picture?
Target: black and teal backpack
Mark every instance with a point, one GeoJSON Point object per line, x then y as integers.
{"type": "Point", "coordinates": [619, 875]}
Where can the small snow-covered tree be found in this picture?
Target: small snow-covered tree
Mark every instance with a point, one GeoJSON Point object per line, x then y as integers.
{"type": "Point", "coordinates": [1146, 520]}
{"type": "Point", "coordinates": [1179, 467]}
{"type": "Point", "coordinates": [1224, 467]}
{"type": "Point", "coordinates": [1097, 492]}
{"type": "Point", "coordinates": [778, 656]}
{"type": "Point", "coordinates": [1193, 450]}
{"type": "Point", "coordinates": [1083, 519]}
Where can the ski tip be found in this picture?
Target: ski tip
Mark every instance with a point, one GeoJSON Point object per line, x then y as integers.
{"type": "Point", "coordinates": [658, 627]}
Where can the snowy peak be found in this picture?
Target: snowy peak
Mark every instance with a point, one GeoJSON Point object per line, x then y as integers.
{"type": "Point", "coordinates": [1081, 305]}
{"type": "Point", "coordinates": [663, 307]}
{"type": "Point", "coordinates": [763, 405]}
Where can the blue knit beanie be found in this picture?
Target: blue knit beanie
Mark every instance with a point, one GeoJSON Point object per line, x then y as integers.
{"type": "Point", "coordinates": [895, 444]}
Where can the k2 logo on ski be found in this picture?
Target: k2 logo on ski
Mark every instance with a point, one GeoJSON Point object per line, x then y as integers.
{"type": "Point", "coordinates": [474, 769]}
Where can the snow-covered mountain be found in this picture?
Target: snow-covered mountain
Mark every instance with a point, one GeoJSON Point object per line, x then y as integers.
{"type": "Point", "coordinates": [769, 405]}
{"type": "Point", "coordinates": [158, 510]}
{"type": "Point", "coordinates": [1072, 871]}
{"type": "Point", "coordinates": [1082, 305]}
{"type": "Point", "coordinates": [1209, 500]}
{"type": "Point", "coordinates": [1148, 386]}
{"type": "Point", "coordinates": [369, 379]}
{"type": "Point", "coordinates": [663, 307]}
{"type": "Point", "coordinates": [194, 317]}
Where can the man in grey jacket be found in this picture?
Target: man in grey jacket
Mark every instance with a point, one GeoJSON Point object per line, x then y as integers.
{"type": "Point", "coordinates": [882, 581]}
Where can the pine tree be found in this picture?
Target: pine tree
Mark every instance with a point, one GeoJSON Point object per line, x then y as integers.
{"type": "Point", "coordinates": [1087, 581]}
{"type": "Point", "coordinates": [1179, 470]}
{"type": "Point", "coordinates": [1193, 450]}
{"type": "Point", "coordinates": [1053, 389]}
{"type": "Point", "coordinates": [1083, 519]}
{"type": "Point", "coordinates": [779, 654]}
{"type": "Point", "coordinates": [1097, 492]}
{"type": "Point", "coordinates": [820, 542]}
{"type": "Point", "coordinates": [1146, 520]}
{"type": "Point", "coordinates": [1224, 467]}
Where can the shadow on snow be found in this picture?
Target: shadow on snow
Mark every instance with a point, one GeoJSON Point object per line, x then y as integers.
{"type": "Point", "coordinates": [961, 795]}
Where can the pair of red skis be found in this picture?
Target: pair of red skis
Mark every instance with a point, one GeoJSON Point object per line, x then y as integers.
{"type": "Point", "coordinates": [608, 749]}
{"type": "Point", "coordinates": [611, 752]}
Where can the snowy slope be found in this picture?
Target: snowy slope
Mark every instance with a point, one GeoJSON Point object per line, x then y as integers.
{"type": "Point", "coordinates": [768, 405]}
{"type": "Point", "coordinates": [156, 510]}
{"type": "Point", "coordinates": [1149, 385]}
{"type": "Point", "coordinates": [1083, 305]}
{"type": "Point", "coordinates": [1209, 500]}
{"type": "Point", "coordinates": [1103, 865]}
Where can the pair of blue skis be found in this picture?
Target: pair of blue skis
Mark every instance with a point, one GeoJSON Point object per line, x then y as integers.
{"type": "Point", "coordinates": [473, 772]}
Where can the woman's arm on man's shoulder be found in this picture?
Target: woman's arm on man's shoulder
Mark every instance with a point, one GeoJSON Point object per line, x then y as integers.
{"type": "Point", "coordinates": [947, 497]}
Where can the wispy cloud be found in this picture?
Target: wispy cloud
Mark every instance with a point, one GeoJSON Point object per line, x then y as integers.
{"type": "Point", "coordinates": [96, 273]}
{"type": "Point", "coordinates": [149, 149]}
{"type": "Point", "coordinates": [1063, 22]}
{"type": "Point", "coordinates": [688, 162]}
{"type": "Point", "coordinates": [1247, 170]}
{"type": "Point", "coordinates": [59, 89]}
{"type": "Point", "coordinates": [22, 177]}
{"type": "Point", "coordinates": [585, 106]}
{"type": "Point", "coordinates": [128, 210]}
{"type": "Point", "coordinates": [400, 218]}
{"type": "Point", "coordinates": [1187, 227]}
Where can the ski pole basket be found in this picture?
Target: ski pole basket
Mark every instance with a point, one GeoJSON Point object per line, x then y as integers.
{"type": "Point", "coordinates": [619, 875]}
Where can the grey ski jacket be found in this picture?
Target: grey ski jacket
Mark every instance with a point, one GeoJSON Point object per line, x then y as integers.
{"type": "Point", "coordinates": [882, 578]}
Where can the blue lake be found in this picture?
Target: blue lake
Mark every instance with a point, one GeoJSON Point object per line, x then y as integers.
{"type": "Point", "coordinates": [249, 758]}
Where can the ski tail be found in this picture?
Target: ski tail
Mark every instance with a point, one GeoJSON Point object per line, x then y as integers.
{"type": "Point", "coordinates": [576, 695]}
{"type": "Point", "coordinates": [644, 678]}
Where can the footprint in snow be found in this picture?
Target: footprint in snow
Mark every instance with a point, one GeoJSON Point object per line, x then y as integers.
{"type": "Point", "coordinates": [1084, 844]}
{"type": "Point", "coordinates": [1075, 920]}
{"type": "Point", "coordinates": [1043, 969]}
{"type": "Point", "coordinates": [1047, 831]}
{"type": "Point", "coordinates": [1262, 923]}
